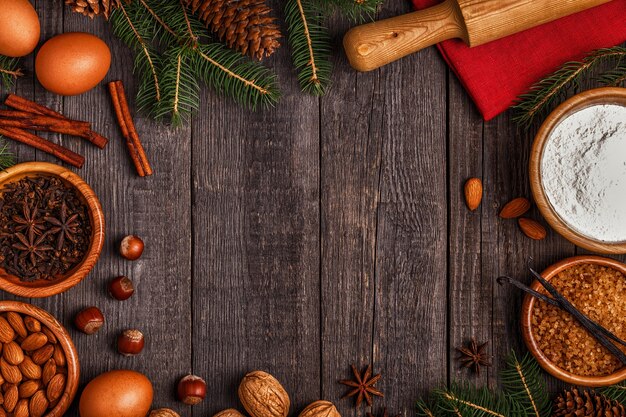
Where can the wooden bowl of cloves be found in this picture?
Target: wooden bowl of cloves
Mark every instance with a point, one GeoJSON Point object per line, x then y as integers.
{"type": "Point", "coordinates": [51, 229]}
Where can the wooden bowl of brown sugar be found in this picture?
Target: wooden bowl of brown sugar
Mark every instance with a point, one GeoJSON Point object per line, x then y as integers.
{"type": "Point", "coordinates": [51, 229]}
{"type": "Point", "coordinates": [596, 286]}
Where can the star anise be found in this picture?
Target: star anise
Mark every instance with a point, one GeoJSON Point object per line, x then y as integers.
{"type": "Point", "coordinates": [31, 248]}
{"type": "Point", "coordinates": [66, 227]}
{"type": "Point", "coordinates": [28, 222]}
{"type": "Point", "coordinates": [363, 386]}
{"type": "Point", "coordinates": [383, 415]}
{"type": "Point", "coordinates": [473, 356]}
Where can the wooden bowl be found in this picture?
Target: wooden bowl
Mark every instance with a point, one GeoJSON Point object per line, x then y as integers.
{"type": "Point", "coordinates": [64, 340]}
{"type": "Point", "coordinates": [45, 288]}
{"type": "Point", "coordinates": [606, 95]}
{"type": "Point", "coordinates": [533, 346]}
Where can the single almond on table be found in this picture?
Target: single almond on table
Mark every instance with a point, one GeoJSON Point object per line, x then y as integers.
{"type": "Point", "coordinates": [532, 228]}
{"type": "Point", "coordinates": [515, 208]}
{"type": "Point", "coordinates": [473, 193]}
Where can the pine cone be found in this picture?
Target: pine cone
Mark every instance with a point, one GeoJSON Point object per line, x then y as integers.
{"type": "Point", "coordinates": [93, 8]}
{"type": "Point", "coordinates": [243, 24]}
{"type": "Point", "coordinates": [572, 403]}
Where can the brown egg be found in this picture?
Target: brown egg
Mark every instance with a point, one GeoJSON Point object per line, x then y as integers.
{"type": "Point", "coordinates": [119, 393]}
{"type": "Point", "coordinates": [20, 28]}
{"type": "Point", "coordinates": [72, 63]}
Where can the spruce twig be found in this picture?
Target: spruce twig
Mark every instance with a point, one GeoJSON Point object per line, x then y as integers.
{"type": "Point", "coordinates": [9, 71]}
{"type": "Point", "coordinates": [310, 43]}
{"type": "Point", "coordinates": [523, 382]}
{"type": "Point", "coordinates": [541, 95]}
{"type": "Point", "coordinates": [6, 156]}
{"type": "Point", "coordinates": [355, 10]}
{"type": "Point", "coordinates": [615, 392]}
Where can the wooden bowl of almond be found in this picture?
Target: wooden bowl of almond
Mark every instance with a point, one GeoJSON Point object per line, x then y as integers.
{"type": "Point", "coordinates": [39, 369]}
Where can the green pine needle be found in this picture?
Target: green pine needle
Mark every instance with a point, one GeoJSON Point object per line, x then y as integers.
{"type": "Point", "coordinates": [310, 44]}
{"type": "Point", "coordinates": [468, 401]}
{"type": "Point", "coordinates": [6, 156]}
{"type": "Point", "coordinates": [615, 392]}
{"type": "Point", "coordinates": [9, 71]}
{"type": "Point", "coordinates": [355, 10]}
{"type": "Point", "coordinates": [524, 383]}
{"type": "Point", "coordinates": [538, 99]}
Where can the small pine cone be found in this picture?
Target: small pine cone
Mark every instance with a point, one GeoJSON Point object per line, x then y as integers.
{"type": "Point", "coordinates": [244, 25]}
{"type": "Point", "coordinates": [93, 8]}
{"type": "Point", "coordinates": [572, 403]}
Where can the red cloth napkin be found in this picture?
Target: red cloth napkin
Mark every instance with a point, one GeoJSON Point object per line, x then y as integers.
{"type": "Point", "coordinates": [495, 73]}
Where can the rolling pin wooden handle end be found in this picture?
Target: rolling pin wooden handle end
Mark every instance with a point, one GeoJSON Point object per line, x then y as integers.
{"type": "Point", "coordinates": [375, 44]}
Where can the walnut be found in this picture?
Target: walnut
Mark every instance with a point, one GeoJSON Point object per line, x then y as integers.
{"type": "Point", "coordinates": [320, 408]}
{"type": "Point", "coordinates": [262, 395]}
{"type": "Point", "coordinates": [229, 412]}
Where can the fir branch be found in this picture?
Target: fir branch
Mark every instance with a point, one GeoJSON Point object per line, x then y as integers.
{"type": "Point", "coordinates": [9, 71]}
{"type": "Point", "coordinates": [523, 382]}
{"type": "Point", "coordinates": [468, 401]}
{"type": "Point", "coordinates": [132, 24]}
{"type": "Point", "coordinates": [230, 73]}
{"type": "Point", "coordinates": [615, 392]}
{"type": "Point", "coordinates": [310, 44]}
{"type": "Point", "coordinates": [355, 10]}
{"type": "Point", "coordinates": [535, 102]}
{"type": "Point", "coordinates": [7, 159]}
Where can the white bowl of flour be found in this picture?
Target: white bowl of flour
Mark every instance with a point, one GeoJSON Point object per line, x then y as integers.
{"type": "Point", "coordinates": [578, 170]}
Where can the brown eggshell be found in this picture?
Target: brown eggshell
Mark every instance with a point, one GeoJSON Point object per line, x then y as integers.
{"type": "Point", "coordinates": [120, 393]}
{"type": "Point", "coordinates": [72, 63]}
{"type": "Point", "coordinates": [20, 28]}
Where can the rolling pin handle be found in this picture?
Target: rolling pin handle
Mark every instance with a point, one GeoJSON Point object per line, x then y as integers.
{"type": "Point", "coordinates": [375, 44]}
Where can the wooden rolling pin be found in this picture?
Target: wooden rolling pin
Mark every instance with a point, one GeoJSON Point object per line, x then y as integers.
{"type": "Point", "coordinates": [373, 45]}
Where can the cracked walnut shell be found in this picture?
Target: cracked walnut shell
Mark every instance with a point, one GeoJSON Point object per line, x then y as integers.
{"type": "Point", "coordinates": [262, 395]}
{"type": "Point", "coordinates": [320, 408]}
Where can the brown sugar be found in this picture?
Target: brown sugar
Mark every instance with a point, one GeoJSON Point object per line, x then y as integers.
{"type": "Point", "coordinates": [597, 291]}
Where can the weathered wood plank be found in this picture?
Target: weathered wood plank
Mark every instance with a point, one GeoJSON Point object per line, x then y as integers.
{"type": "Point", "coordinates": [256, 243]}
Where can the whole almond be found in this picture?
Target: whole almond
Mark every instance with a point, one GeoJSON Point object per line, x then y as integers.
{"type": "Point", "coordinates": [7, 333]}
{"type": "Point", "coordinates": [21, 409]}
{"type": "Point", "coordinates": [51, 337]}
{"type": "Point", "coordinates": [41, 355]}
{"type": "Point", "coordinates": [320, 408]}
{"type": "Point", "coordinates": [13, 353]}
{"type": "Point", "coordinates": [532, 228]}
{"type": "Point", "coordinates": [11, 396]}
{"type": "Point", "coordinates": [59, 356]}
{"type": "Point", "coordinates": [229, 412]}
{"type": "Point", "coordinates": [262, 395]}
{"type": "Point", "coordinates": [38, 404]}
{"type": "Point", "coordinates": [515, 208]}
{"type": "Point", "coordinates": [34, 341]}
{"type": "Point", "coordinates": [30, 369]}
{"type": "Point", "coordinates": [17, 322]}
{"type": "Point", "coordinates": [55, 387]}
{"type": "Point", "coordinates": [473, 193]}
{"type": "Point", "coordinates": [28, 388]}
{"type": "Point", "coordinates": [10, 373]}
{"type": "Point", "coordinates": [49, 370]}
{"type": "Point", "coordinates": [32, 324]}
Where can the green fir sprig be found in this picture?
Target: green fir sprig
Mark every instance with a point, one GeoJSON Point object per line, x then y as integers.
{"type": "Point", "coordinates": [355, 10]}
{"type": "Point", "coordinates": [523, 382]}
{"type": "Point", "coordinates": [310, 44]}
{"type": "Point", "coordinates": [615, 392]}
{"type": "Point", "coordinates": [9, 71]}
{"type": "Point", "coordinates": [7, 159]}
{"type": "Point", "coordinates": [544, 93]}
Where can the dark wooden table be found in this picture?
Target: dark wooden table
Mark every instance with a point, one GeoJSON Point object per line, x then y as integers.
{"type": "Point", "coordinates": [307, 237]}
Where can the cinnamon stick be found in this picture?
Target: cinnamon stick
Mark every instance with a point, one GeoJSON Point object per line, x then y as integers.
{"type": "Point", "coordinates": [28, 106]}
{"type": "Point", "coordinates": [125, 121]}
{"type": "Point", "coordinates": [44, 145]}
{"type": "Point", "coordinates": [31, 121]}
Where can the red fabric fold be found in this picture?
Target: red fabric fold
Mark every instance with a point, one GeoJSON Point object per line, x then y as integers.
{"type": "Point", "coordinates": [496, 73]}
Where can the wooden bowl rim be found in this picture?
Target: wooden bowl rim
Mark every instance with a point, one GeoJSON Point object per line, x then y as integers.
{"type": "Point", "coordinates": [531, 343]}
{"type": "Point", "coordinates": [64, 339]}
{"type": "Point", "coordinates": [604, 95]}
{"type": "Point", "coordinates": [97, 234]}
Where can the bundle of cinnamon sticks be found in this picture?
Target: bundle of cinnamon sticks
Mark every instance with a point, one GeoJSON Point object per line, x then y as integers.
{"type": "Point", "coordinates": [29, 116]}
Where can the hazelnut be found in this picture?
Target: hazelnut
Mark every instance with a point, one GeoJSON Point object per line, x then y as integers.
{"type": "Point", "coordinates": [263, 396]}
{"type": "Point", "coordinates": [164, 412]}
{"type": "Point", "coordinates": [130, 342]}
{"type": "Point", "coordinates": [191, 390]}
{"type": "Point", "coordinates": [89, 320]}
{"type": "Point", "coordinates": [131, 247]}
{"type": "Point", "coordinates": [121, 288]}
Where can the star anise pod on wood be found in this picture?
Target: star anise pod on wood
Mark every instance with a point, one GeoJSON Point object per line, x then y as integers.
{"type": "Point", "coordinates": [473, 356]}
{"type": "Point", "coordinates": [66, 226]}
{"type": "Point", "coordinates": [32, 248]}
{"type": "Point", "coordinates": [363, 386]}
{"type": "Point", "coordinates": [383, 415]}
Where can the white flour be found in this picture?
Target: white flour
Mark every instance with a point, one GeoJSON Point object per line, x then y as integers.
{"type": "Point", "coordinates": [583, 170]}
